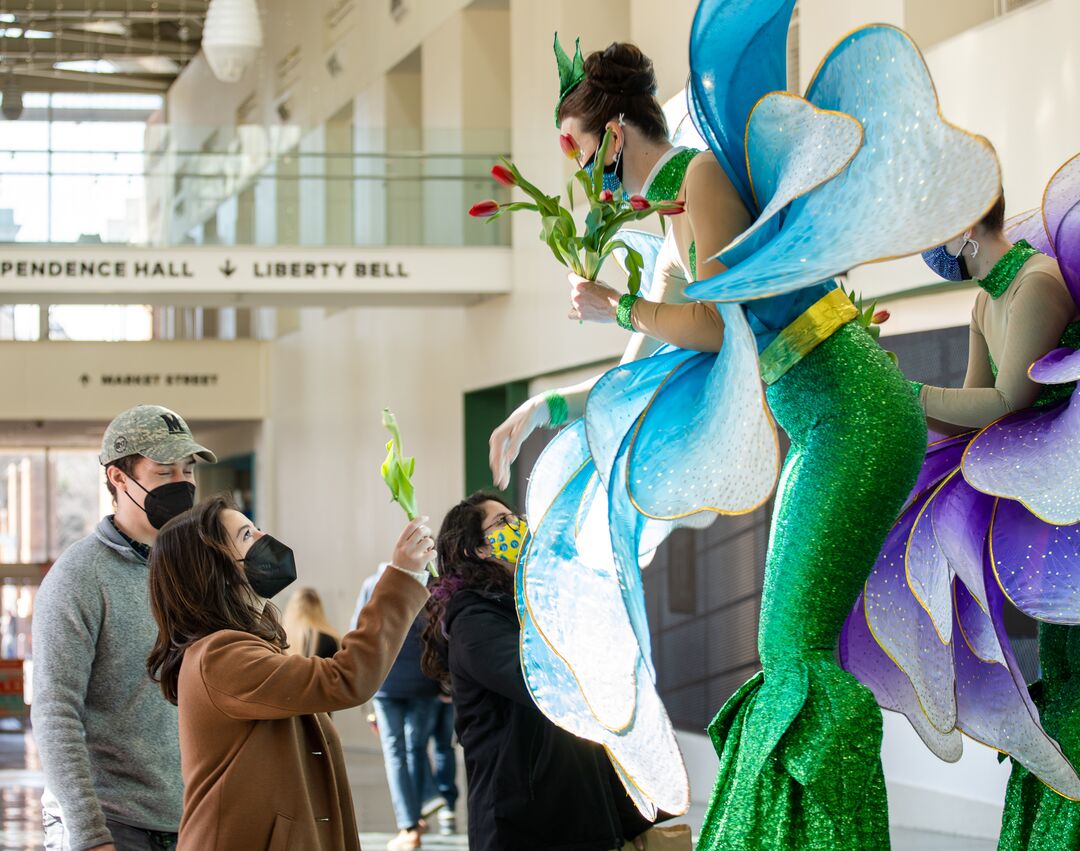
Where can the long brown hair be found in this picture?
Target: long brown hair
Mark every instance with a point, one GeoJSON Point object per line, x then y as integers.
{"type": "Point", "coordinates": [304, 618]}
{"type": "Point", "coordinates": [619, 80]}
{"type": "Point", "coordinates": [197, 588]}
{"type": "Point", "coordinates": [461, 537]}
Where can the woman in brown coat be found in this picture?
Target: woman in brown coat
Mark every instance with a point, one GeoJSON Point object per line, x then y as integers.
{"type": "Point", "coordinates": [262, 763]}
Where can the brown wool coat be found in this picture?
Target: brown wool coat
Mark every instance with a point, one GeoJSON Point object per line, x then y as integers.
{"type": "Point", "coordinates": [262, 763]}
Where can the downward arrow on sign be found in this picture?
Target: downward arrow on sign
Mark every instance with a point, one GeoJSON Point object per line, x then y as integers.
{"type": "Point", "coordinates": [228, 268]}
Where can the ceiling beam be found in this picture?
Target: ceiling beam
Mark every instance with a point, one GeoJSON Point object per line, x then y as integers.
{"type": "Point", "coordinates": [88, 9]}
{"type": "Point", "coordinates": [70, 39]}
{"type": "Point", "coordinates": [37, 80]}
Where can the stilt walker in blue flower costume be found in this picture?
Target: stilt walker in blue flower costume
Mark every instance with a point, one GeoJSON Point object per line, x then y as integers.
{"type": "Point", "coordinates": [792, 192]}
{"type": "Point", "coordinates": [995, 516]}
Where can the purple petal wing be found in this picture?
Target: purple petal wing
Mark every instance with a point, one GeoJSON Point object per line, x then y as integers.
{"type": "Point", "coordinates": [905, 631]}
{"type": "Point", "coordinates": [1029, 226]}
{"type": "Point", "coordinates": [961, 517]}
{"type": "Point", "coordinates": [1036, 564]}
{"type": "Point", "coordinates": [1032, 456]}
{"type": "Point", "coordinates": [862, 656]}
{"type": "Point", "coordinates": [993, 706]}
{"type": "Point", "coordinates": [1058, 367]}
{"type": "Point", "coordinates": [1061, 215]}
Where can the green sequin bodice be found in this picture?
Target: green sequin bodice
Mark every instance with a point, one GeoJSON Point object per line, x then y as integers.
{"type": "Point", "coordinates": [665, 186]}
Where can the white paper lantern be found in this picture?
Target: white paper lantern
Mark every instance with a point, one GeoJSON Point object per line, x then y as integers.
{"type": "Point", "coordinates": [13, 99]}
{"type": "Point", "coordinates": [232, 36]}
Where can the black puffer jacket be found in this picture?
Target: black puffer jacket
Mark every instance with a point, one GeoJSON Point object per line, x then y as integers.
{"type": "Point", "coordinates": [532, 785]}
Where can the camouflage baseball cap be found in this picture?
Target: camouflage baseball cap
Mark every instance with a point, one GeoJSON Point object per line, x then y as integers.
{"type": "Point", "coordinates": [153, 432]}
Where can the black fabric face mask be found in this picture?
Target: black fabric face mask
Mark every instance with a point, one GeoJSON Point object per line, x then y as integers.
{"type": "Point", "coordinates": [270, 566]}
{"type": "Point", "coordinates": [164, 503]}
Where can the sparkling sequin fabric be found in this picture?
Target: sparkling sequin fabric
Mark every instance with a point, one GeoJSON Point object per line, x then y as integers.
{"type": "Point", "coordinates": [993, 517]}
{"type": "Point", "coordinates": [666, 441]}
{"type": "Point", "coordinates": [1001, 276]}
{"type": "Point", "coordinates": [800, 743]}
{"type": "Point", "coordinates": [1036, 818]}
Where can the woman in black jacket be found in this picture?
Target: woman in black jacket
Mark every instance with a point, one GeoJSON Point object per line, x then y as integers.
{"type": "Point", "coordinates": [531, 784]}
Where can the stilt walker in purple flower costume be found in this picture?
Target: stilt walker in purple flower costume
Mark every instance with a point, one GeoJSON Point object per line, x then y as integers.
{"type": "Point", "coordinates": [792, 192]}
{"type": "Point", "coordinates": [993, 517]}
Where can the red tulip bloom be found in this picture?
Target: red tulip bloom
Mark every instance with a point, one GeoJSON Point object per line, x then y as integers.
{"type": "Point", "coordinates": [606, 196]}
{"type": "Point", "coordinates": [880, 317]}
{"type": "Point", "coordinates": [639, 202]}
{"type": "Point", "coordinates": [672, 208]}
{"type": "Point", "coordinates": [484, 209]}
{"type": "Point", "coordinates": [503, 175]}
{"type": "Point", "coordinates": [569, 146]}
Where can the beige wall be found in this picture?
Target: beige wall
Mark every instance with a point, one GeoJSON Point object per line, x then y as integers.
{"type": "Point", "coordinates": [205, 380]}
{"type": "Point", "coordinates": [931, 21]}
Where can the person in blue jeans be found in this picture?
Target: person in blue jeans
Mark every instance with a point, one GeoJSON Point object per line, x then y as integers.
{"type": "Point", "coordinates": [443, 781]}
{"type": "Point", "coordinates": [406, 710]}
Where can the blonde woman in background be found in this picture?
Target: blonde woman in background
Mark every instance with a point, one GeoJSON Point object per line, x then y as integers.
{"type": "Point", "coordinates": [308, 631]}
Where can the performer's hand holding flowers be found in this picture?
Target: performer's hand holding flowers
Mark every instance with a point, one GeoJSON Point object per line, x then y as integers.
{"type": "Point", "coordinates": [583, 253]}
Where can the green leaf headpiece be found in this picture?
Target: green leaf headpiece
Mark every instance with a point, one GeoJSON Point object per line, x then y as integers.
{"type": "Point", "coordinates": [571, 72]}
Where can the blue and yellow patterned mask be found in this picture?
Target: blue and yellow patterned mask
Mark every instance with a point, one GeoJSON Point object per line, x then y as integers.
{"type": "Point", "coordinates": [507, 540]}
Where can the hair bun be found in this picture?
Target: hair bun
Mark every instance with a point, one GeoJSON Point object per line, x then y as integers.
{"type": "Point", "coordinates": [621, 69]}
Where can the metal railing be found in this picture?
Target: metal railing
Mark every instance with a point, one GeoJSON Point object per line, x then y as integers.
{"type": "Point", "coordinates": [150, 184]}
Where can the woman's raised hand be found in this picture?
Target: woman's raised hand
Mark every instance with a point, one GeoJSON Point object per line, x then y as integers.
{"type": "Point", "coordinates": [415, 547]}
{"type": "Point", "coordinates": [506, 440]}
{"type": "Point", "coordinates": [591, 301]}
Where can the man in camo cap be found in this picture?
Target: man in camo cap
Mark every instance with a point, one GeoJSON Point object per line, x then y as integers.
{"type": "Point", "coordinates": [107, 737]}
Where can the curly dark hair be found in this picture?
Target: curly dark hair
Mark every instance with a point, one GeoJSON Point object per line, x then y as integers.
{"type": "Point", "coordinates": [619, 80]}
{"type": "Point", "coordinates": [461, 537]}
{"type": "Point", "coordinates": [197, 588]}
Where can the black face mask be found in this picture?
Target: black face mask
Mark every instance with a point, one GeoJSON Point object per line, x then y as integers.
{"type": "Point", "coordinates": [270, 566]}
{"type": "Point", "coordinates": [164, 503]}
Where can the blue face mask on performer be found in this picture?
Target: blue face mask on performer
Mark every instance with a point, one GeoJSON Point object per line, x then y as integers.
{"type": "Point", "coordinates": [612, 175]}
{"type": "Point", "coordinates": [949, 266]}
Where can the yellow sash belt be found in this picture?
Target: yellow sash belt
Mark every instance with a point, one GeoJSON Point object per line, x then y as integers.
{"type": "Point", "coordinates": [813, 327]}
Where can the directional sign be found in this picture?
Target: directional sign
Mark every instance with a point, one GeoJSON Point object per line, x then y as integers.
{"type": "Point", "coordinates": [252, 275]}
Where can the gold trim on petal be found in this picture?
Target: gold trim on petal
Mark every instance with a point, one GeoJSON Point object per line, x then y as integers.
{"type": "Point", "coordinates": [724, 512]}
{"type": "Point", "coordinates": [524, 565]}
{"type": "Point", "coordinates": [822, 182]}
{"type": "Point", "coordinates": [980, 140]}
{"type": "Point", "coordinates": [902, 670]}
{"type": "Point", "coordinates": [813, 327]}
{"type": "Point", "coordinates": [963, 632]}
{"type": "Point", "coordinates": [907, 555]}
{"type": "Point", "coordinates": [1042, 205]}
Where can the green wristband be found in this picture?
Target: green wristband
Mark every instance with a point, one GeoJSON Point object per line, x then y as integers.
{"type": "Point", "coordinates": [557, 409]}
{"type": "Point", "coordinates": [916, 387]}
{"type": "Point", "coordinates": [623, 311]}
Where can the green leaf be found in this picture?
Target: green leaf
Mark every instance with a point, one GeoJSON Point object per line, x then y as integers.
{"type": "Point", "coordinates": [397, 471]}
{"type": "Point", "coordinates": [601, 157]}
{"type": "Point", "coordinates": [634, 266]}
{"type": "Point", "coordinates": [594, 221]}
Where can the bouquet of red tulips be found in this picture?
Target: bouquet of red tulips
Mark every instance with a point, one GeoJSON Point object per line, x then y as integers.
{"type": "Point", "coordinates": [584, 253]}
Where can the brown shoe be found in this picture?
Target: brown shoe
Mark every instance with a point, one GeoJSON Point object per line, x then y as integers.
{"type": "Point", "coordinates": [406, 840]}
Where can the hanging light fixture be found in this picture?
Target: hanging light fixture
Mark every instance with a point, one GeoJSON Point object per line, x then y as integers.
{"type": "Point", "coordinates": [13, 98]}
{"type": "Point", "coordinates": [232, 36]}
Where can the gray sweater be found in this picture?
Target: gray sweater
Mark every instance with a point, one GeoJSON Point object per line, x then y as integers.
{"type": "Point", "coordinates": [108, 738]}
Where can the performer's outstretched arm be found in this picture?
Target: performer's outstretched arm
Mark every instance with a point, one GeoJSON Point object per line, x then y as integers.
{"type": "Point", "coordinates": [1037, 316]}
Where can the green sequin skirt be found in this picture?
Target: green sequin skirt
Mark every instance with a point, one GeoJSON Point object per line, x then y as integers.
{"type": "Point", "coordinates": [800, 743]}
